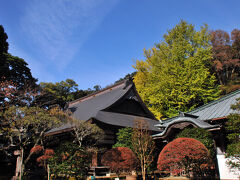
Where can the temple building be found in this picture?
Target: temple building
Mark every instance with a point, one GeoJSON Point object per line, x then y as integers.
{"type": "Point", "coordinates": [120, 105]}
{"type": "Point", "coordinates": [212, 117]}
{"type": "Point", "coordinates": [112, 108]}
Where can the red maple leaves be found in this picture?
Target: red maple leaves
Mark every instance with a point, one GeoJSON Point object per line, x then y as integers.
{"type": "Point", "coordinates": [47, 154]}
{"type": "Point", "coordinates": [120, 159]}
{"type": "Point", "coordinates": [184, 155]}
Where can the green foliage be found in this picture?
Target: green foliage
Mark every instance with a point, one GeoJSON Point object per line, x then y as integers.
{"type": "Point", "coordinates": [3, 40]}
{"type": "Point", "coordinates": [126, 77]}
{"type": "Point", "coordinates": [3, 51]}
{"type": "Point", "coordinates": [70, 161]}
{"type": "Point", "coordinates": [19, 73]}
{"type": "Point", "coordinates": [175, 75]}
{"type": "Point", "coordinates": [24, 128]}
{"type": "Point", "coordinates": [60, 93]}
{"type": "Point", "coordinates": [26, 125]}
{"type": "Point", "coordinates": [13, 68]}
{"type": "Point", "coordinates": [233, 152]}
{"type": "Point", "coordinates": [97, 88]}
{"type": "Point", "coordinates": [124, 138]}
{"type": "Point", "coordinates": [201, 135]}
{"type": "Point", "coordinates": [232, 126]}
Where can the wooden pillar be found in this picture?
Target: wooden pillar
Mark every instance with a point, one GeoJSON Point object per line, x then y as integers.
{"type": "Point", "coordinates": [95, 159]}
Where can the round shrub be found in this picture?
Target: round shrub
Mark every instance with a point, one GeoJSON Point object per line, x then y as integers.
{"type": "Point", "coordinates": [201, 135]}
{"type": "Point", "coordinates": [184, 155]}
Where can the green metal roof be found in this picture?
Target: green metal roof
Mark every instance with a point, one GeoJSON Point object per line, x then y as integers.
{"type": "Point", "coordinates": [218, 108]}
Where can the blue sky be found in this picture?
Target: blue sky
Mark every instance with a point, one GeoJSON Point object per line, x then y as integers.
{"type": "Point", "coordinates": [98, 41]}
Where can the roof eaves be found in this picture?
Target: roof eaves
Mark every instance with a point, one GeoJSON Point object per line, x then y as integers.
{"type": "Point", "coordinates": [197, 122]}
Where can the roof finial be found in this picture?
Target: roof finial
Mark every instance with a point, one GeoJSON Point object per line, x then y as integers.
{"type": "Point", "coordinates": [181, 114]}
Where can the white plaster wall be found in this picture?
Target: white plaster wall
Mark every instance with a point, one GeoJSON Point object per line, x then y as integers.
{"type": "Point", "coordinates": [224, 170]}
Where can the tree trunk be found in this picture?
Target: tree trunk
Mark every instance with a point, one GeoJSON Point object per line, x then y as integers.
{"type": "Point", "coordinates": [144, 172]}
{"type": "Point", "coordinates": [18, 164]}
{"type": "Point", "coordinates": [22, 171]}
{"type": "Point", "coordinates": [48, 172]}
{"type": "Point", "coordinates": [21, 165]}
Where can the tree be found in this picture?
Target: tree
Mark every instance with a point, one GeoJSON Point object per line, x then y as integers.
{"type": "Point", "coordinates": [176, 73]}
{"type": "Point", "coordinates": [143, 145]}
{"type": "Point", "coordinates": [74, 158]}
{"type": "Point", "coordinates": [124, 138]}
{"type": "Point", "coordinates": [43, 156]}
{"type": "Point", "coordinates": [226, 57]}
{"type": "Point", "coordinates": [86, 133]}
{"type": "Point", "coordinates": [70, 161]}
{"type": "Point", "coordinates": [232, 126]}
{"type": "Point", "coordinates": [60, 93]}
{"type": "Point", "coordinates": [97, 88]}
{"type": "Point", "coordinates": [201, 135]}
{"type": "Point", "coordinates": [11, 95]}
{"type": "Point", "coordinates": [126, 77]}
{"type": "Point", "coordinates": [25, 127]}
{"type": "Point", "coordinates": [7, 94]}
{"type": "Point", "coordinates": [3, 52]}
{"type": "Point", "coordinates": [184, 155]}
{"type": "Point", "coordinates": [120, 159]}
{"type": "Point", "coordinates": [13, 68]}
{"type": "Point", "coordinates": [19, 73]}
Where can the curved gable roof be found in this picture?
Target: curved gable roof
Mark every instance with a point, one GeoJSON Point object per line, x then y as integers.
{"type": "Point", "coordinates": [180, 119]}
{"type": "Point", "coordinates": [220, 108]}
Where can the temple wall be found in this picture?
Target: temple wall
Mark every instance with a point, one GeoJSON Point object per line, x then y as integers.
{"type": "Point", "coordinates": [224, 171]}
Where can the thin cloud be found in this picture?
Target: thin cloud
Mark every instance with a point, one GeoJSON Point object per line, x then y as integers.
{"type": "Point", "coordinates": [59, 28]}
{"type": "Point", "coordinates": [38, 69]}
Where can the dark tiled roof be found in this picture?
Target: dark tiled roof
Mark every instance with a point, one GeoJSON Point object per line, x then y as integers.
{"type": "Point", "coordinates": [93, 106]}
{"type": "Point", "coordinates": [124, 120]}
{"type": "Point", "coordinates": [111, 118]}
{"type": "Point", "coordinates": [88, 107]}
{"type": "Point", "coordinates": [65, 127]}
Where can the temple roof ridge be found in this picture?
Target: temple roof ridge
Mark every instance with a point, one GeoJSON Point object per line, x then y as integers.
{"type": "Point", "coordinates": [104, 90]}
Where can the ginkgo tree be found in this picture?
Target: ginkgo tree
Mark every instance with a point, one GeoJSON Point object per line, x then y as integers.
{"type": "Point", "coordinates": [175, 75]}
